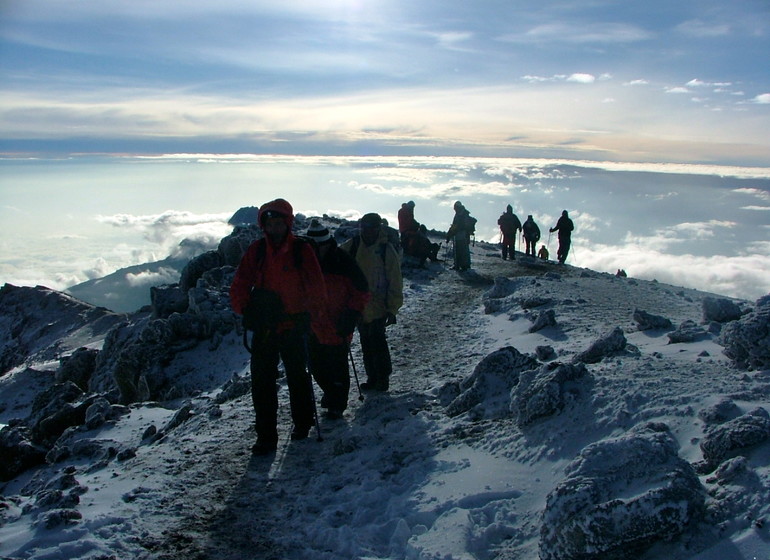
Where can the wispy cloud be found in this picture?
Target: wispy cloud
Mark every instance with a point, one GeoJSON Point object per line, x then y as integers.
{"type": "Point", "coordinates": [588, 33]}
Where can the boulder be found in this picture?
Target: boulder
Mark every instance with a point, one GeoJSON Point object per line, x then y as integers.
{"type": "Point", "coordinates": [726, 440]}
{"type": "Point", "coordinates": [19, 453]}
{"type": "Point", "coordinates": [78, 367]}
{"type": "Point", "coordinates": [167, 299]}
{"type": "Point", "coordinates": [747, 341]}
{"type": "Point", "coordinates": [544, 319]}
{"type": "Point", "coordinates": [608, 345]}
{"type": "Point", "coordinates": [545, 391]}
{"type": "Point", "coordinates": [647, 321]}
{"type": "Point", "coordinates": [687, 332]}
{"type": "Point", "coordinates": [489, 386]}
{"type": "Point", "coordinates": [721, 310]}
{"type": "Point", "coordinates": [620, 496]}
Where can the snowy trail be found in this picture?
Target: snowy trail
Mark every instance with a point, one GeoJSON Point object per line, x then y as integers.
{"type": "Point", "coordinates": [234, 506]}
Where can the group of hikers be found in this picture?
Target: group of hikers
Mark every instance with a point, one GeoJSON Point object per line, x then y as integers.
{"type": "Point", "coordinates": [510, 226]}
{"type": "Point", "coordinates": [303, 297]}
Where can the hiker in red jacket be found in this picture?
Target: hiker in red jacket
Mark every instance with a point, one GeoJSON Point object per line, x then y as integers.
{"type": "Point", "coordinates": [280, 265]}
{"type": "Point", "coordinates": [510, 225]}
{"type": "Point", "coordinates": [347, 295]}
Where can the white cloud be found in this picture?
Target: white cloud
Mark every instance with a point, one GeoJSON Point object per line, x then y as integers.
{"type": "Point", "coordinates": [677, 89]}
{"type": "Point", "coordinates": [762, 99]}
{"type": "Point", "coordinates": [582, 78]}
{"type": "Point", "coordinates": [759, 193]}
{"type": "Point", "coordinates": [595, 32]}
{"type": "Point", "coordinates": [146, 278]}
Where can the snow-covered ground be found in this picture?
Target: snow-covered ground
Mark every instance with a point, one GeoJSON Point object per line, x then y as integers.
{"type": "Point", "coordinates": [398, 477]}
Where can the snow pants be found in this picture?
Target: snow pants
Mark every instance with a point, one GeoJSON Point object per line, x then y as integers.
{"type": "Point", "coordinates": [376, 354]}
{"type": "Point", "coordinates": [288, 346]}
{"type": "Point", "coordinates": [329, 366]}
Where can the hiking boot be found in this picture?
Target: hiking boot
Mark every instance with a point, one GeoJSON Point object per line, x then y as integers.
{"type": "Point", "coordinates": [333, 414]}
{"type": "Point", "coordinates": [264, 447]}
{"type": "Point", "coordinates": [379, 385]}
{"type": "Point", "coordinates": [299, 433]}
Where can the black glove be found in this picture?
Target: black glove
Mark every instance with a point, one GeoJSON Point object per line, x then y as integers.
{"type": "Point", "coordinates": [390, 319]}
{"type": "Point", "coordinates": [347, 322]}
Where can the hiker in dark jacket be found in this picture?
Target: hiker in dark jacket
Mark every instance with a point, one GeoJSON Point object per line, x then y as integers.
{"type": "Point", "coordinates": [509, 227]}
{"type": "Point", "coordinates": [280, 265]}
{"type": "Point", "coordinates": [564, 226]}
{"type": "Point", "coordinates": [382, 267]}
{"type": "Point", "coordinates": [347, 295]}
{"type": "Point", "coordinates": [531, 235]}
{"type": "Point", "coordinates": [460, 232]}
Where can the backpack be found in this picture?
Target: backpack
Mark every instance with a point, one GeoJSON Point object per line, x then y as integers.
{"type": "Point", "coordinates": [264, 311]}
{"type": "Point", "coordinates": [382, 248]}
{"type": "Point", "coordinates": [470, 224]}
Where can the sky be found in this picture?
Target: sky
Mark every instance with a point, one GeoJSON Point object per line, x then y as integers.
{"type": "Point", "coordinates": [126, 127]}
{"type": "Point", "coordinates": [619, 81]}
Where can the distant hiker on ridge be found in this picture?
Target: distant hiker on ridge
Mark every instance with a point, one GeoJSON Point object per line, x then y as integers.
{"type": "Point", "coordinates": [382, 267]}
{"type": "Point", "coordinates": [347, 295]}
{"type": "Point", "coordinates": [543, 253]}
{"type": "Point", "coordinates": [463, 225]}
{"type": "Point", "coordinates": [408, 227]}
{"type": "Point", "coordinates": [279, 289]}
{"type": "Point", "coordinates": [531, 235]}
{"type": "Point", "coordinates": [564, 226]}
{"type": "Point", "coordinates": [509, 227]}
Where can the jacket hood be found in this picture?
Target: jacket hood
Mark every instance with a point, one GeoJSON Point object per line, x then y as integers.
{"type": "Point", "coordinates": [279, 206]}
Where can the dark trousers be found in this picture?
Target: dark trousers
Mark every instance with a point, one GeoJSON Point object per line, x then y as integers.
{"type": "Point", "coordinates": [508, 246]}
{"type": "Point", "coordinates": [329, 365]}
{"type": "Point", "coordinates": [376, 354]}
{"type": "Point", "coordinates": [288, 346]}
{"type": "Point", "coordinates": [531, 243]}
{"type": "Point", "coordinates": [564, 244]}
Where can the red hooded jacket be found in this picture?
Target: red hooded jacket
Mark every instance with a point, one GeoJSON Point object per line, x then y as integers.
{"type": "Point", "coordinates": [301, 289]}
{"type": "Point", "coordinates": [346, 289]}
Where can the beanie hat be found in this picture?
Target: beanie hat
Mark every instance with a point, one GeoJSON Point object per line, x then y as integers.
{"type": "Point", "coordinates": [318, 232]}
{"type": "Point", "coordinates": [371, 220]}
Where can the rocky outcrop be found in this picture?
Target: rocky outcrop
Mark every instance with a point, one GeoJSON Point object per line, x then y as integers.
{"type": "Point", "coordinates": [647, 321]}
{"type": "Point", "coordinates": [687, 331]}
{"type": "Point", "coordinates": [721, 310]}
{"type": "Point", "coordinates": [747, 341]}
{"type": "Point", "coordinates": [544, 319]}
{"type": "Point", "coordinates": [608, 345]}
{"type": "Point", "coordinates": [736, 436]}
{"type": "Point", "coordinates": [619, 497]}
{"type": "Point", "coordinates": [37, 323]}
{"type": "Point", "coordinates": [491, 383]}
{"type": "Point", "coordinates": [77, 367]}
{"type": "Point", "coordinates": [545, 391]}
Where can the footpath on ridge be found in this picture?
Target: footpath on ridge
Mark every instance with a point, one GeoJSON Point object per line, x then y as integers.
{"type": "Point", "coordinates": [231, 505]}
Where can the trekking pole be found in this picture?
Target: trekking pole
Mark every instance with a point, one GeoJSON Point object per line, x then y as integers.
{"type": "Point", "coordinates": [355, 373]}
{"type": "Point", "coordinates": [312, 390]}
